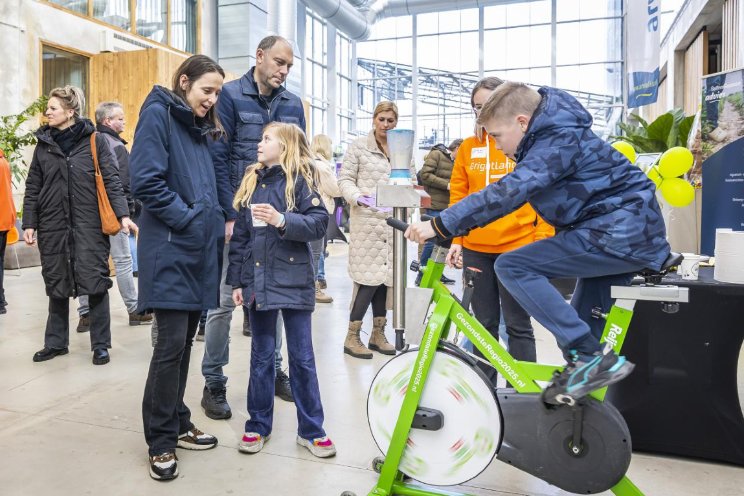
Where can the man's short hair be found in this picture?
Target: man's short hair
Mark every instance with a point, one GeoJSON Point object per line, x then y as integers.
{"type": "Point", "coordinates": [268, 42]}
{"type": "Point", "coordinates": [509, 100]}
{"type": "Point", "coordinates": [105, 110]}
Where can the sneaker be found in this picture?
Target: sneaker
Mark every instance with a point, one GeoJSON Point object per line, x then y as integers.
{"type": "Point", "coordinates": [195, 439]}
{"type": "Point", "coordinates": [164, 467]}
{"type": "Point", "coordinates": [215, 404]}
{"type": "Point", "coordinates": [582, 377]}
{"type": "Point", "coordinates": [320, 296]}
{"type": "Point", "coordinates": [446, 280]}
{"type": "Point", "coordinates": [322, 283]}
{"type": "Point", "coordinates": [247, 327]}
{"type": "Point", "coordinates": [200, 333]}
{"type": "Point", "coordinates": [136, 319]}
{"type": "Point", "coordinates": [322, 447]}
{"type": "Point", "coordinates": [282, 388]}
{"type": "Point", "coordinates": [252, 442]}
{"type": "Point", "coordinates": [83, 324]}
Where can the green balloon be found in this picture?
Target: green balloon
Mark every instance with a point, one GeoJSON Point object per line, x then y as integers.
{"type": "Point", "coordinates": [678, 192]}
{"type": "Point", "coordinates": [626, 149]}
{"type": "Point", "coordinates": [654, 175]}
{"type": "Point", "coordinates": [675, 162]}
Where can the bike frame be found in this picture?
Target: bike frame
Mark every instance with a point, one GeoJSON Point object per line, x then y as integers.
{"type": "Point", "coordinates": [523, 376]}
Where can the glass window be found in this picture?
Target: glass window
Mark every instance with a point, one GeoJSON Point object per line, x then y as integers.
{"type": "Point", "coordinates": [80, 6]}
{"type": "Point", "coordinates": [60, 68]}
{"type": "Point", "coordinates": [151, 19]}
{"type": "Point", "coordinates": [114, 12]}
{"type": "Point", "coordinates": [183, 25]}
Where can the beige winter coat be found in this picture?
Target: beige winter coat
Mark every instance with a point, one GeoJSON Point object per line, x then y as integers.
{"type": "Point", "coordinates": [327, 187]}
{"type": "Point", "coordinates": [371, 245]}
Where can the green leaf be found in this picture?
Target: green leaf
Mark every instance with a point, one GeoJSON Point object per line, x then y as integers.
{"type": "Point", "coordinates": [684, 130]}
{"type": "Point", "coordinates": [639, 119]}
{"type": "Point", "coordinates": [660, 128]}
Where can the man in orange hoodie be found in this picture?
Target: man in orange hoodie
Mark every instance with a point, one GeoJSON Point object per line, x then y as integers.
{"type": "Point", "coordinates": [479, 162]}
{"type": "Point", "coordinates": [7, 219]}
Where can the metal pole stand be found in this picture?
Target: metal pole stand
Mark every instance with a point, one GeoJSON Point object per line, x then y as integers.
{"type": "Point", "coordinates": [400, 197]}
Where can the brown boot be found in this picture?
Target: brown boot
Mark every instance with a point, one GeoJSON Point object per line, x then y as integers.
{"type": "Point", "coordinates": [320, 296]}
{"type": "Point", "coordinates": [353, 345]}
{"type": "Point", "coordinates": [378, 341]}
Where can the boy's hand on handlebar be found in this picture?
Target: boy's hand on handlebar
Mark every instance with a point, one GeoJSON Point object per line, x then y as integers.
{"type": "Point", "coordinates": [454, 256]}
{"type": "Point", "coordinates": [420, 232]}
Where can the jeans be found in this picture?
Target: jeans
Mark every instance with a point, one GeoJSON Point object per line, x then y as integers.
{"type": "Point", "coordinates": [525, 272]}
{"type": "Point", "coordinates": [57, 333]}
{"type": "Point", "coordinates": [429, 245]}
{"type": "Point", "coordinates": [317, 248]}
{"type": "Point", "coordinates": [321, 266]}
{"type": "Point", "coordinates": [3, 240]}
{"type": "Point", "coordinates": [164, 414]}
{"type": "Point", "coordinates": [122, 258]}
{"type": "Point", "coordinates": [217, 335]}
{"type": "Point", "coordinates": [491, 302]}
{"type": "Point", "coordinates": [133, 251]}
{"type": "Point", "coordinates": [302, 373]}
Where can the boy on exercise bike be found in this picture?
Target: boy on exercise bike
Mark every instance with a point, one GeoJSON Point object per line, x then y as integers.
{"type": "Point", "coordinates": [604, 207]}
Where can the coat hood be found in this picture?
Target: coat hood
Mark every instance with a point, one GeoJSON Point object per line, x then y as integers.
{"type": "Point", "coordinates": [85, 128]}
{"type": "Point", "coordinates": [178, 109]}
{"type": "Point", "coordinates": [557, 111]}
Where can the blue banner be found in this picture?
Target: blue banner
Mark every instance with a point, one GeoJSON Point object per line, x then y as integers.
{"type": "Point", "coordinates": [643, 88]}
{"type": "Point", "coordinates": [642, 55]}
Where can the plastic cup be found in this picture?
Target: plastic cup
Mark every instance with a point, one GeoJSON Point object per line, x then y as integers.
{"type": "Point", "coordinates": [256, 222]}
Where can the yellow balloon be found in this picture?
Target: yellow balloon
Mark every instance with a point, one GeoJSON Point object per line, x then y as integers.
{"type": "Point", "coordinates": [678, 192]}
{"type": "Point", "coordinates": [626, 149]}
{"type": "Point", "coordinates": [675, 162]}
{"type": "Point", "coordinates": [654, 175]}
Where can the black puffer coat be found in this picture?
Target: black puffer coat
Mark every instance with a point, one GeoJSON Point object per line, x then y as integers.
{"type": "Point", "coordinates": [61, 204]}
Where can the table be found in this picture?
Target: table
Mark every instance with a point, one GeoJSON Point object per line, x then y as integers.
{"type": "Point", "coordinates": [683, 396]}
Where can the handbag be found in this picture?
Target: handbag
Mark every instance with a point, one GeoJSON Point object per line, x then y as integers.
{"type": "Point", "coordinates": [109, 223]}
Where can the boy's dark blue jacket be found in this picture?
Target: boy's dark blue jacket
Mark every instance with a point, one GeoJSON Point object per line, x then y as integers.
{"type": "Point", "coordinates": [275, 268]}
{"type": "Point", "coordinates": [574, 180]}
{"type": "Point", "coordinates": [244, 114]}
{"type": "Point", "coordinates": [182, 225]}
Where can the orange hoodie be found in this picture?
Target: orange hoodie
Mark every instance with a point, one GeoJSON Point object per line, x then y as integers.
{"type": "Point", "coordinates": [7, 208]}
{"type": "Point", "coordinates": [478, 163]}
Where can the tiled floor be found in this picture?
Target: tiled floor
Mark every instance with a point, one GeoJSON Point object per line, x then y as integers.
{"type": "Point", "coordinates": [70, 428]}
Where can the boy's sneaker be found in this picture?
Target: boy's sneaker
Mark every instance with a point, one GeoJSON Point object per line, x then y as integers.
{"type": "Point", "coordinates": [252, 442]}
{"type": "Point", "coordinates": [282, 387]}
{"type": "Point", "coordinates": [214, 402]}
{"type": "Point", "coordinates": [322, 447]}
{"type": "Point", "coordinates": [194, 439]}
{"type": "Point", "coordinates": [83, 323]}
{"type": "Point", "coordinates": [136, 319]}
{"type": "Point", "coordinates": [164, 467]}
{"type": "Point", "coordinates": [581, 378]}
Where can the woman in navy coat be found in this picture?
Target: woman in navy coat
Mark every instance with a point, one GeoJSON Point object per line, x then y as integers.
{"type": "Point", "coordinates": [180, 245]}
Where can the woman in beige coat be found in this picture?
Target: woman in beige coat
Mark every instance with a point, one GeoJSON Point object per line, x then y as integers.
{"type": "Point", "coordinates": [366, 164]}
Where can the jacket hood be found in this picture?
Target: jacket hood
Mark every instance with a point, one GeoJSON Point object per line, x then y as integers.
{"type": "Point", "coordinates": [557, 111]}
{"type": "Point", "coordinates": [177, 108]}
{"type": "Point", "coordinates": [107, 130]}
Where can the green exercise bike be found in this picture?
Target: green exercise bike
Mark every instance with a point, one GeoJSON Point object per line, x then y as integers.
{"type": "Point", "coordinates": [439, 421]}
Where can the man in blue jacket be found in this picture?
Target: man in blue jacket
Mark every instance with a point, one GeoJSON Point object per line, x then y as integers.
{"type": "Point", "coordinates": [611, 225]}
{"type": "Point", "coordinates": [245, 106]}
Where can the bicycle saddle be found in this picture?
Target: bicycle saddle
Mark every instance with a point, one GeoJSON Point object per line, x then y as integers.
{"type": "Point", "coordinates": [672, 260]}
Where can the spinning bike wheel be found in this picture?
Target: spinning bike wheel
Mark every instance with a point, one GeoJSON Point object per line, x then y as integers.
{"type": "Point", "coordinates": [472, 429]}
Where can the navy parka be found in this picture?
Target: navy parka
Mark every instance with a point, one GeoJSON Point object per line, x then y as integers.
{"type": "Point", "coordinates": [274, 267]}
{"type": "Point", "coordinates": [182, 225]}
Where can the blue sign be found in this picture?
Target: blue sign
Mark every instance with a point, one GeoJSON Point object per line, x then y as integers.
{"type": "Point", "coordinates": [643, 88]}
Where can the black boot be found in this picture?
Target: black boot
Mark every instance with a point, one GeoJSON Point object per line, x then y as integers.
{"type": "Point", "coordinates": [214, 402]}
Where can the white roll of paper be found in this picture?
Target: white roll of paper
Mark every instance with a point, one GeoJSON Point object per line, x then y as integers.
{"type": "Point", "coordinates": [729, 256]}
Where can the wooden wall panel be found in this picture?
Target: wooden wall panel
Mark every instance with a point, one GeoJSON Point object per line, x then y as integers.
{"type": "Point", "coordinates": [651, 112]}
{"type": "Point", "coordinates": [730, 43]}
{"type": "Point", "coordinates": [128, 77]}
{"type": "Point", "coordinates": [696, 66]}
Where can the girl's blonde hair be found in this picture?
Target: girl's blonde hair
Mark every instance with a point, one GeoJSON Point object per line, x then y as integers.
{"type": "Point", "coordinates": [322, 147]}
{"type": "Point", "coordinates": [295, 160]}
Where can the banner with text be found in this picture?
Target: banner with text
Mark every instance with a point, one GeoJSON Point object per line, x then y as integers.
{"type": "Point", "coordinates": [722, 144]}
{"type": "Point", "coordinates": [642, 35]}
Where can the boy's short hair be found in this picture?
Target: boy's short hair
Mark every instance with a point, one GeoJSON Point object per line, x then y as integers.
{"type": "Point", "coordinates": [508, 100]}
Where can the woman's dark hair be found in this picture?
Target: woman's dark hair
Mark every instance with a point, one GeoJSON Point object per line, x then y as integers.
{"type": "Point", "coordinates": [489, 83]}
{"type": "Point", "coordinates": [193, 68]}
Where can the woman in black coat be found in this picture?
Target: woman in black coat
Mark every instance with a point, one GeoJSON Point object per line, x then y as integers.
{"type": "Point", "coordinates": [180, 249]}
{"type": "Point", "coordinates": [60, 209]}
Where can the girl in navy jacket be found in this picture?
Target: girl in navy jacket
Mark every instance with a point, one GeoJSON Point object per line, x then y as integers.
{"type": "Point", "coordinates": [279, 213]}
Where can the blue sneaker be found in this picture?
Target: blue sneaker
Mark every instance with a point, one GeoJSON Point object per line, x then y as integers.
{"type": "Point", "coordinates": [582, 377]}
